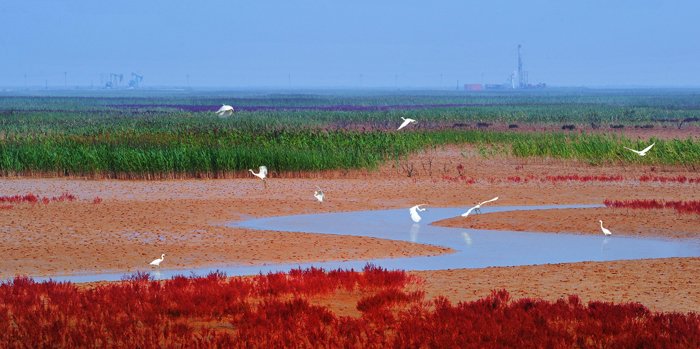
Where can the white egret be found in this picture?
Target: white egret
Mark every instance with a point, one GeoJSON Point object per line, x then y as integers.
{"type": "Point", "coordinates": [643, 152]}
{"type": "Point", "coordinates": [225, 111]}
{"type": "Point", "coordinates": [414, 212]}
{"type": "Point", "coordinates": [261, 174]}
{"type": "Point", "coordinates": [406, 122]}
{"type": "Point", "coordinates": [477, 208]}
{"type": "Point", "coordinates": [157, 261]}
{"type": "Point", "coordinates": [605, 231]}
{"type": "Point", "coordinates": [319, 195]}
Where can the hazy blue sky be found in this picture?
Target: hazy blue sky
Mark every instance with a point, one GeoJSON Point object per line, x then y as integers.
{"type": "Point", "coordinates": [376, 43]}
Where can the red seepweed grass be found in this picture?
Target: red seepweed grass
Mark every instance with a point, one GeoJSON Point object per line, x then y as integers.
{"type": "Point", "coordinates": [34, 199]}
{"type": "Point", "coordinates": [274, 311]}
{"type": "Point", "coordinates": [648, 204]}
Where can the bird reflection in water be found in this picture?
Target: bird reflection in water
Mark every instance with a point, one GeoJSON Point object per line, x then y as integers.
{"type": "Point", "coordinates": [467, 238]}
{"type": "Point", "coordinates": [414, 232]}
{"type": "Point", "coordinates": [605, 242]}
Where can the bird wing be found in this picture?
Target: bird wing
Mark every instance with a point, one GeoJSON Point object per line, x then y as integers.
{"type": "Point", "coordinates": [406, 122]}
{"type": "Point", "coordinates": [223, 108]}
{"type": "Point", "coordinates": [494, 199]}
{"type": "Point", "coordinates": [636, 151]}
{"type": "Point", "coordinates": [468, 212]}
{"type": "Point", "coordinates": [647, 148]}
{"type": "Point", "coordinates": [263, 170]}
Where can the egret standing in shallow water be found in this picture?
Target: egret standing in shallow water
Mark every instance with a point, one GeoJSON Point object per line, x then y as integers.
{"type": "Point", "coordinates": [319, 195]}
{"type": "Point", "coordinates": [157, 261]}
{"type": "Point", "coordinates": [605, 231]}
{"type": "Point", "coordinates": [225, 111]}
{"type": "Point", "coordinates": [406, 122]}
{"type": "Point", "coordinates": [478, 207]}
{"type": "Point", "coordinates": [414, 212]}
{"type": "Point", "coordinates": [643, 152]}
{"type": "Point", "coordinates": [261, 174]}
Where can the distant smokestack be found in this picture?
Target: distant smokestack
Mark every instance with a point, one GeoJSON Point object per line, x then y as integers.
{"type": "Point", "coordinates": [521, 78]}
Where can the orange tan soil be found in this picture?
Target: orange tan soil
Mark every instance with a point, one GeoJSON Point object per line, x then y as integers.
{"type": "Point", "coordinates": [184, 219]}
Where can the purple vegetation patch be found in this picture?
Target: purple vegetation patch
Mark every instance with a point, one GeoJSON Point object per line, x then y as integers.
{"type": "Point", "coordinates": [204, 108]}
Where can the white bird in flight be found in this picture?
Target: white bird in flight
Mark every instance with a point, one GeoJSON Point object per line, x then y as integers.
{"type": "Point", "coordinates": [157, 261]}
{"type": "Point", "coordinates": [414, 212]}
{"type": "Point", "coordinates": [261, 174]}
{"type": "Point", "coordinates": [406, 122]}
{"type": "Point", "coordinates": [477, 208]}
{"type": "Point", "coordinates": [225, 111]}
{"type": "Point", "coordinates": [319, 195]}
{"type": "Point", "coordinates": [605, 231]}
{"type": "Point", "coordinates": [643, 152]}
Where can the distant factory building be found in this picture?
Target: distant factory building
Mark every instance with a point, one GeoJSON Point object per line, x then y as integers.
{"type": "Point", "coordinates": [520, 75]}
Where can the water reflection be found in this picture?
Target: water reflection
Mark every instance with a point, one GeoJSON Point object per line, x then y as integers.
{"type": "Point", "coordinates": [414, 232]}
{"type": "Point", "coordinates": [467, 238]}
{"type": "Point", "coordinates": [605, 242]}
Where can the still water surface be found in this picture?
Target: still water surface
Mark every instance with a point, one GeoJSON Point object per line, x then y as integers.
{"type": "Point", "coordinates": [475, 248]}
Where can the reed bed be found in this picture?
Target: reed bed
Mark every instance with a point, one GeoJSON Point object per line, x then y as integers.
{"type": "Point", "coordinates": [153, 135]}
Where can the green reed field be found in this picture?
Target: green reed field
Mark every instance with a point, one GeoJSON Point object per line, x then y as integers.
{"type": "Point", "coordinates": [161, 134]}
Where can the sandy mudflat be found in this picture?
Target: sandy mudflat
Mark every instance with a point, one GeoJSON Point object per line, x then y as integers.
{"type": "Point", "coordinates": [139, 220]}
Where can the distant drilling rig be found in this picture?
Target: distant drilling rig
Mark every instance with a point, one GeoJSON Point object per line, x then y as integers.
{"type": "Point", "coordinates": [510, 81]}
{"type": "Point", "coordinates": [114, 81]}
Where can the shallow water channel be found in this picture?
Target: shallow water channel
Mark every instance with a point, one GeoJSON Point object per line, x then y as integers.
{"type": "Point", "coordinates": [475, 248]}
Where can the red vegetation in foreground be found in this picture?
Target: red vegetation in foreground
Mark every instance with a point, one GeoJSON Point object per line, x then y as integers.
{"type": "Point", "coordinates": [97, 200]}
{"type": "Point", "coordinates": [33, 199]}
{"type": "Point", "coordinates": [680, 206]}
{"type": "Point", "coordinates": [273, 311]}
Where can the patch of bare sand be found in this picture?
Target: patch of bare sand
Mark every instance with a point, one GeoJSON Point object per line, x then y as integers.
{"type": "Point", "coordinates": [669, 284]}
{"type": "Point", "coordinates": [661, 223]}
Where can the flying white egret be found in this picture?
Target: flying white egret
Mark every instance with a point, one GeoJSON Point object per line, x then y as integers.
{"type": "Point", "coordinates": [319, 195]}
{"type": "Point", "coordinates": [414, 212]}
{"type": "Point", "coordinates": [157, 261]}
{"type": "Point", "coordinates": [478, 207]}
{"type": "Point", "coordinates": [643, 152]}
{"type": "Point", "coordinates": [605, 231]}
{"type": "Point", "coordinates": [225, 111]}
{"type": "Point", "coordinates": [406, 122]}
{"type": "Point", "coordinates": [261, 174]}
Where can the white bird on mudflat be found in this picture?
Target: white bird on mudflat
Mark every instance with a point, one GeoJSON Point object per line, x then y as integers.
{"type": "Point", "coordinates": [643, 152]}
{"type": "Point", "coordinates": [478, 207]}
{"type": "Point", "coordinates": [319, 195]}
{"type": "Point", "coordinates": [406, 122]}
{"type": "Point", "coordinates": [225, 111]}
{"type": "Point", "coordinates": [261, 174]}
{"type": "Point", "coordinates": [605, 231]}
{"type": "Point", "coordinates": [157, 261]}
{"type": "Point", "coordinates": [414, 212]}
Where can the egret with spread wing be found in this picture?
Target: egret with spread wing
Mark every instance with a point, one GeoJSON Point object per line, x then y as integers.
{"type": "Point", "coordinates": [643, 152]}
{"type": "Point", "coordinates": [414, 212]}
{"type": "Point", "coordinates": [477, 208]}
{"type": "Point", "coordinates": [261, 174]}
{"type": "Point", "coordinates": [225, 111]}
{"type": "Point", "coordinates": [318, 194]}
{"type": "Point", "coordinates": [406, 122]}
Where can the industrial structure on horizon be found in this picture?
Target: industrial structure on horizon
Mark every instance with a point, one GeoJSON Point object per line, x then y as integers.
{"type": "Point", "coordinates": [114, 81]}
{"type": "Point", "coordinates": [510, 81]}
